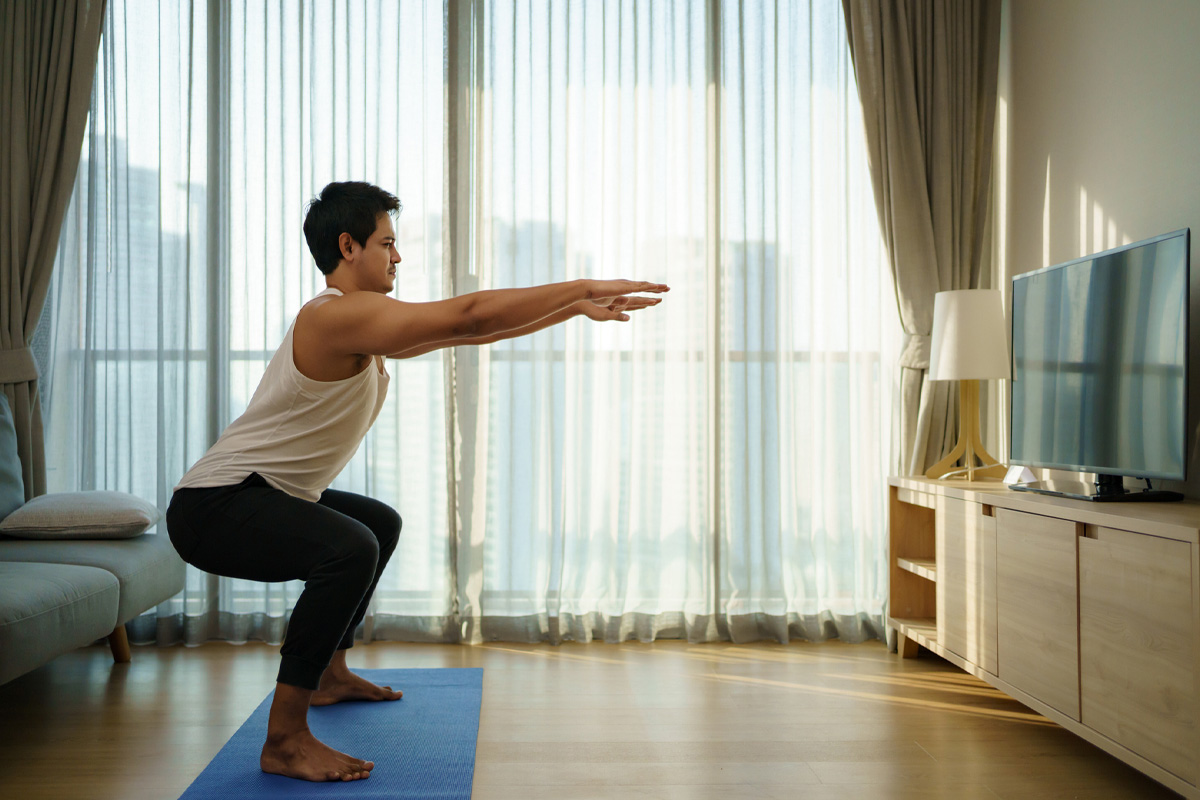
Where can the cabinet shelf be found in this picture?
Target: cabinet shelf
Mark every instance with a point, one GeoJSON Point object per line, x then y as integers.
{"type": "Point", "coordinates": [925, 567]}
{"type": "Point", "coordinates": [923, 631]}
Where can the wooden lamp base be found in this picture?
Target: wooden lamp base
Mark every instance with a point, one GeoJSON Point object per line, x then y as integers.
{"type": "Point", "coordinates": [970, 445]}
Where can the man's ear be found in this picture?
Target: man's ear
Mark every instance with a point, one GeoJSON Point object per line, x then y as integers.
{"type": "Point", "coordinates": [346, 245]}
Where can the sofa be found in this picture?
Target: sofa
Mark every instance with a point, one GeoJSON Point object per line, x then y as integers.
{"type": "Point", "coordinates": [74, 567]}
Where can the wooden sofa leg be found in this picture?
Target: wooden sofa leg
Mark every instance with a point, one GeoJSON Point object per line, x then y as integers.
{"type": "Point", "coordinates": [118, 642]}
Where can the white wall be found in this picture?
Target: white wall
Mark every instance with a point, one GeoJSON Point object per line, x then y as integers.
{"type": "Point", "coordinates": [1098, 138]}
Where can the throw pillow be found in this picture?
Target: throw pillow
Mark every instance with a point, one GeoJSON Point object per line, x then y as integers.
{"type": "Point", "coordinates": [12, 485]}
{"type": "Point", "coordinates": [81, 515]}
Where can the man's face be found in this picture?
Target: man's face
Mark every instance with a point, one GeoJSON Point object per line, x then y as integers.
{"type": "Point", "coordinates": [377, 266]}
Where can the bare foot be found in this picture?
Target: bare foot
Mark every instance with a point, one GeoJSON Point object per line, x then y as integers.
{"type": "Point", "coordinates": [302, 755]}
{"type": "Point", "coordinates": [338, 685]}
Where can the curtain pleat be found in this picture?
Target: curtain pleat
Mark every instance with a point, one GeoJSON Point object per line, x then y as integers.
{"type": "Point", "coordinates": [805, 391]}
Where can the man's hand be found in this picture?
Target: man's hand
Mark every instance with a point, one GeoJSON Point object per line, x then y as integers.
{"type": "Point", "coordinates": [609, 300]}
{"type": "Point", "coordinates": [603, 293]}
{"type": "Point", "coordinates": [613, 308]}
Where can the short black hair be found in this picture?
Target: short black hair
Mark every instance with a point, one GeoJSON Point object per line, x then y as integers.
{"type": "Point", "coordinates": [351, 207]}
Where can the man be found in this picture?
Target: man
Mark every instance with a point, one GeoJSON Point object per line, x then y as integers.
{"type": "Point", "coordinates": [257, 504]}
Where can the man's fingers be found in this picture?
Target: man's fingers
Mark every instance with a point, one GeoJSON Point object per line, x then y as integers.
{"type": "Point", "coordinates": [611, 302]}
{"type": "Point", "coordinates": [632, 300]}
{"type": "Point", "coordinates": [646, 286]}
{"type": "Point", "coordinates": [615, 308]}
{"type": "Point", "coordinates": [607, 291]}
{"type": "Point", "coordinates": [634, 303]}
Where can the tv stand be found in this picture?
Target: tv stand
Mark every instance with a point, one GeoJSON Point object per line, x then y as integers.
{"type": "Point", "coordinates": [1088, 613]}
{"type": "Point", "coordinates": [1106, 489]}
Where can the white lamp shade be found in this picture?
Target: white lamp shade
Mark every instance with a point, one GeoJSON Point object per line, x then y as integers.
{"type": "Point", "coordinates": [969, 341]}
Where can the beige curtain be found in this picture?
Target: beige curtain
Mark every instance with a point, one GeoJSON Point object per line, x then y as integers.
{"type": "Point", "coordinates": [927, 74]}
{"type": "Point", "coordinates": [47, 60]}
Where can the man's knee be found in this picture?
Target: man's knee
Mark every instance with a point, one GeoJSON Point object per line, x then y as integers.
{"type": "Point", "coordinates": [387, 528]}
{"type": "Point", "coordinates": [395, 524]}
{"type": "Point", "coordinates": [358, 549]}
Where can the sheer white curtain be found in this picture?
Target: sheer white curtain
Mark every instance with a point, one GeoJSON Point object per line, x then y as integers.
{"type": "Point", "coordinates": [592, 162]}
{"type": "Point", "coordinates": [810, 332]}
{"type": "Point", "coordinates": [712, 469]}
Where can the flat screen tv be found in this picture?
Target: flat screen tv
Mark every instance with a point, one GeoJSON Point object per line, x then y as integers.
{"type": "Point", "coordinates": [1099, 381]}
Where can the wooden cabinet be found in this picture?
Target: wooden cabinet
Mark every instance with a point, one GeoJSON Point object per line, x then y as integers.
{"type": "Point", "coordinates": [1037, 608]}
{"type": "Point", "coordinates": [1137, 645]}
{"type": "Point", "coordinates": [1089, 613]}
{"type": "Point", "coordinates": [966, 570]}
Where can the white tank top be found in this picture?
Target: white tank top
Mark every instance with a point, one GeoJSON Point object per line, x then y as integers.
{"type": "Point", "coordinates": [298, 433]}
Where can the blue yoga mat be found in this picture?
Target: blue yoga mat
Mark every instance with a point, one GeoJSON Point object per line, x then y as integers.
{"type": "Point", "coordinates": [423, 745]}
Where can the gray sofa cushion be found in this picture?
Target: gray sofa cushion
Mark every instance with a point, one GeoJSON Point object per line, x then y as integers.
{"type": "Point", "coordinates": [48, 609]}
{"type": "Point", "coordinates": [147, 566]}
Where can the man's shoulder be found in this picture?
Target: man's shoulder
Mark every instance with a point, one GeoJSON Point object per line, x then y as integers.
{"type": "Point", "coordinates": [332, 307]}
{"type": "Point", "coordinates": [320, 349]}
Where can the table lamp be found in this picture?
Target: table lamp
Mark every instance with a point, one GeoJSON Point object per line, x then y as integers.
{"type": "Point", "coordinates": [968, 344]}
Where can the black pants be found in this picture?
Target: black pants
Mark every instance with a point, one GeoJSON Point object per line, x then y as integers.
{"type": "Point", "coordinates": [338, 546]}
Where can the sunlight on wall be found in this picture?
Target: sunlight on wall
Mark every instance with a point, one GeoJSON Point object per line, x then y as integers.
{"type": "Point", "coordinates": [1001, 178]}
{"type": "Point", "coordinates": [1046, 219]}
{"type": "Point", "coordinates": [1083, 206]}
{"type": "Point", "coordinates": [996, 413]}
{"type": "Point", "coordinates": [1103, 233]}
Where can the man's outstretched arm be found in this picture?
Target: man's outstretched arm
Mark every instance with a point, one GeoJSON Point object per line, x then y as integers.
{"type": "Point", "coordinates": [617, 310]}
{"type": "Point", "coordinates": [374, 324]}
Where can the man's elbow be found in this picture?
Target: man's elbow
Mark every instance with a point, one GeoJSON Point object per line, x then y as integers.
{"type": "Point", "coordinates": [471, 328]}
{"type": "Point", "coordinates": [470, 322]}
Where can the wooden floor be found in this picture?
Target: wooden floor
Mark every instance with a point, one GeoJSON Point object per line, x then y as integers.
{"type": "Point", "coordinates": [667, 720]}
